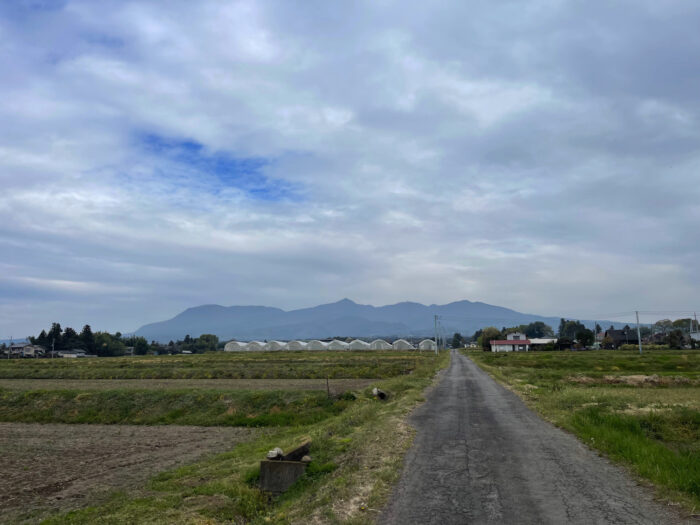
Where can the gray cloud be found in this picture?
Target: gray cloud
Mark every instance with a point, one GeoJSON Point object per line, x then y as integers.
{"type": "Point", "coordinates": [541, 156]}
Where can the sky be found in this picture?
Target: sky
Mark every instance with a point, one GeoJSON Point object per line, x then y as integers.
{"type": "Point", "coordinates": [540, 155]}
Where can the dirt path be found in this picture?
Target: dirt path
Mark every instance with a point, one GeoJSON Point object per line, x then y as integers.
{"type": "Point", "coordinates": [57, 467]}
{"type": "Point", "coordinates": [481, 456]}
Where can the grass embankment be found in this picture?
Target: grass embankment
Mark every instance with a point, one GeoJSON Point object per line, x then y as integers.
{"type": "Point", "coordinates": [356, 455]}
{"type": "Point", "coordinates": [171, 407]}
{"type": "Point", "coordinates": [220, 365]}
{"type": "Point", "coordinates": [641, 410]}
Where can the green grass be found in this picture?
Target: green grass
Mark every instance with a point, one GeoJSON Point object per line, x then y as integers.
{"type": "Point", "coordinates": [169, 407]}
{"type": "Point", "coordinates": [357, 454]}
{"type": "Point", "coordinates": [642, 411]}
{"type": "Point", "coordinates": [220, 365]}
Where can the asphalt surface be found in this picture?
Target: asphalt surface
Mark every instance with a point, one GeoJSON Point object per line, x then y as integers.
{"type": "Point", "coordinates": [481, 456]}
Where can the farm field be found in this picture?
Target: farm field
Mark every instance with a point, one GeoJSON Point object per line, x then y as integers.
{"type": "Point", "coordinates": [220, 365]}
{"type": "Point", "coordinates": [336, 386]}
{"type": "Point", "coordinates": [640, 410]}
{"type": "Point", "coordinates": [50, 468]}
{"type": "Point", "coordinates": [133, 419]}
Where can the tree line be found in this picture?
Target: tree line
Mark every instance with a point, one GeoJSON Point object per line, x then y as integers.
{"type": "Point", "coordinates": [105, 344]}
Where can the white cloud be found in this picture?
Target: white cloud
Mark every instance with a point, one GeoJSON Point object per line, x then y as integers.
{"type": "Point", "coordinates": [498, 153]}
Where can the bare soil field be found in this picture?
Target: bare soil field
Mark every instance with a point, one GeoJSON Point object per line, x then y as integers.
{"type": "Point", "coordinates": [53, 467]}
{"type": "Point", "coordinates": [336, 386]}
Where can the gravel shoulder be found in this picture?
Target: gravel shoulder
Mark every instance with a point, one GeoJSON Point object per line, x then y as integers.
{"type": "Point", "coordinates": [481, 456]}
{"type": "Point", "coordinates": [53, 467]}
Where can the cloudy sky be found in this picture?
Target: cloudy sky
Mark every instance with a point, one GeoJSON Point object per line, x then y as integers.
{"type": "Point", "coordinates": [539, 155]}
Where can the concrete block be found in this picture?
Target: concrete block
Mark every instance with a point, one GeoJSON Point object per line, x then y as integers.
{"type": "Point", "coordinates": [277, 476]}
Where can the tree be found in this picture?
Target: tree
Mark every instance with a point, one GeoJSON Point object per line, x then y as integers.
{"type": "Point", "coordinates": [206, 343]}
{"type": "Point", "coordinates": [598, 329]}
{"type": "Point", "coordinates": [54, 336]}
{"type": "Point", "coordinates": [537, 329]}
{"type": "Point", "coordinates": [140, 346]}
{"type": "Point", "coordinates": [487, 335]}
{"type": "Point", "coordinates": [663, 326]}
{"type": "Point", "coordinates": [108, 345]}
{"type": "Point", "coordinates": [585, 337]}
{"type": "Point", "coordinates": [71, 339]}
{"type": "Point", "coordinates": [88, 339]}
{"type": "Point", "coordinates": [457, 340]}
{"type": "Point", "coordinates": [675, 339]}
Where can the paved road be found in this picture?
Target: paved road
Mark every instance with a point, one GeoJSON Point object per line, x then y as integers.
{"type": "Point", "coordinates": [481, 456]}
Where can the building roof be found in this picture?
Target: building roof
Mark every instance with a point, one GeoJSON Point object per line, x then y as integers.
{"type": "Point", "coordinates": [510, 341]}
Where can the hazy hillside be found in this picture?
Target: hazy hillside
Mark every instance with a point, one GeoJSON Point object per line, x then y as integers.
{"type": "Point", "coordinates": [344, 318]}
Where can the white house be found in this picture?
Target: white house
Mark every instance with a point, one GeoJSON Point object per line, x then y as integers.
{"type": "Point", "coordinates": [515, 342]}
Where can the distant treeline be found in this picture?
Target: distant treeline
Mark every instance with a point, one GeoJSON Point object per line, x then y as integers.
{"type": "Point", "coordinates": [106, 344]}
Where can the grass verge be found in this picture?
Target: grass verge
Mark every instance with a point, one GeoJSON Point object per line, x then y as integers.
{"type": "Point", "coordinates": [169, 407]}
{"type": "Point", "coordinates": [642, 411]}
{"type": "Point", "coordinates": [222, 365]}
{"type": "Point", "coordinates": [357, 455]}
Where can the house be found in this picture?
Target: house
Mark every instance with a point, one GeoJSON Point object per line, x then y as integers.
{"type": "Point", "coordinates": [537, 343]}
{"type": "Point", "coordinates": [515, 342]}
{"type": "Point", "coordinates": [75, 353]}
{"type": "Point", "coordinates": [24, 350]}
{"type": "Point", "coordinates": [617, 338]}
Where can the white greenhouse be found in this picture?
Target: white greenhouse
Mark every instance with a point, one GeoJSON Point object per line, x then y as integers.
{"type": "Point", "coordinates": [296, 345]}
{"type": "Point", "coordinates": [380, 344]}
{"type": "Point", "coordinates": [358, 344]}
{"type": "Point", "coordinates": [402, 344]}
{"type": "Point", "coordinates": [316, 345]}
{"type": "Point", "coordinates": [427, 344]}
{"type": "Point", "coordinates": [337, 345]}
{"type": "Point", "coordinates": [235, 346]}
{"type": "Point", "coordinates": [255, 346]}
{"type": "Point", "coordinates": [274, 346]}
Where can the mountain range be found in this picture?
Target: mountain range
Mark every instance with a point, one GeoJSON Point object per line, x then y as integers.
{"type": "Point", "coordinates": [344, 318]}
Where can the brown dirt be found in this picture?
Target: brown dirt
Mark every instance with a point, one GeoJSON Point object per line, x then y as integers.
{"type": "Point", "coordinates": [633, 380]}
{"type": "Point", "coordinates": [47, 468]}
{"type": "Point", "coordinates": [336, 385]}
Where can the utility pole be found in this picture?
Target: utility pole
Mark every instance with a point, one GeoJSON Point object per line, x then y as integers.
{"type": "Point", "coordinates": [437, 346]}
{"type": "Point", "coordinates": [639, 333]}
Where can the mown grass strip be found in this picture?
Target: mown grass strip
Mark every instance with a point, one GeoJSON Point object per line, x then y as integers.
{"type": "Point", "coordinates": [357, 455]}
{"type": "Point", "coordinates": [169, 407]}
{"type": "Point", "coordinates": [220, 365]}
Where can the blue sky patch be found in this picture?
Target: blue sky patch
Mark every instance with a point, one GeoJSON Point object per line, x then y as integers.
{"type": "Point", "coordinates": [222, 170]}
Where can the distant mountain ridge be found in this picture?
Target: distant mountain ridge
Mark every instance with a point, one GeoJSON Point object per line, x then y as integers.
{"type": "Point", "coordinates": [344, 318]}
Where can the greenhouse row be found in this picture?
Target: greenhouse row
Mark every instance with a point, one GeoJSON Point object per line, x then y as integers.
{"type": "Point", "coordinates": [357, 344]}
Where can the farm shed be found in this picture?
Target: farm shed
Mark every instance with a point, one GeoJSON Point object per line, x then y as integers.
{"type": "Point", "coordinates": [316, 345]}
{"type": "Point", "coordinates": [358, 344]}
{"type": "Point", "coordinates": [255, 346]}
{"type": "Point", "coordinates": [380, 344]}
{"type": "Point", "coordinates": [337, 345]}
{"type": "Point", "coordinates": [275, 346]}
{"type": "Point", "coordinates": [235, 346]}
{"type": "Point", "coordinates": [402, 344]}
{"type": "Point", "coordinates": [427, 344]}
{"type": "Point", "coordinates": [296, 345]}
